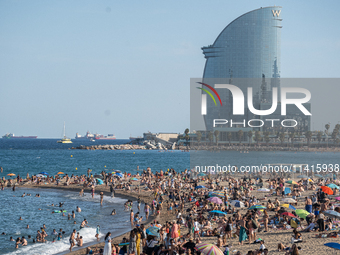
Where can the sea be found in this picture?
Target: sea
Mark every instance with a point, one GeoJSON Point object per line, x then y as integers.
{"type": "Point", "coordinates": [32, 156]}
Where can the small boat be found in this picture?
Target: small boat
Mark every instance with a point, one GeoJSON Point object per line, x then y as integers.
{"type": "Point", "coordinates": [65, 139]}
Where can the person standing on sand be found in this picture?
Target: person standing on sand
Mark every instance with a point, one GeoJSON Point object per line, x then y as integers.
{"type": "Point", "coordinates": [309, 204]}
{"type": "Point", "coordinates": [107, 247]}
{"type": "Point", "coordinates": [243, 235]}
{"type": "Point", "coordinates": [101, 198]}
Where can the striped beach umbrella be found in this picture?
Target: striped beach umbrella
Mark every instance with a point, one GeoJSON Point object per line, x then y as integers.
{"type": "Point", "coordinates": [257, 207]}
{"type": "Point", "coordinates": [237, 203]}
{"type": "Point", "coordinates": [208, 249]}
{"type": "Point", "coordinates": [291, 182]}
{"type": "Point", "coordinates": [289, 206]}
{"type": "Point", "coordinates": [152, 231]}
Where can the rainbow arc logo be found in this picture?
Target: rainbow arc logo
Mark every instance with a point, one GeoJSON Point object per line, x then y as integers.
{"type": "Point", "coordinates": [209, 93]}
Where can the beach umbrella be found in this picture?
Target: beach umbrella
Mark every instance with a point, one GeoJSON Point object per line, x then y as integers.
{"type": "Point", "coordinates": [60, 173]}
{"type": "Point", "coordinates": [217, 212]}
{"type": "Point", "coordinates": [287, 191]}
{"type": "Point", "coordinates": [11, 174]}
{"type": "Point", "coordinates": [332, 214]}
{"type": "Point", "coordinates": [257, 207]}
{"type": "Point", "coordinates": [327, 190]}
{"type": "Point", "coordinates": [201, 174]}
{"type": "Point", "coordinates": [289, 206]}
{"type": "Point", "coordinates": [208, 249]}
{"type": "Point", "coordinates": [291, 182]}
{"type": "Point", "coordinates": [152, 231]}
{"type": "Point", "coordinates": [200, 187]}
{"type": "Point", "coordinates": [41, 176]}
{"type": "Point", "coordinates": [333, 245]}
{"type": "Point", "coordinates": [263, 190]}
{"type": "Point", "coordinates": [333, 186]}
{"type": "Point", "coordinates": [302, 176]}
{"type": "Point", "coordinates": [134, 179]}
{"type": "Point", "coordinates": [289, 200]}
{"type": "Point", "coordinates": [319, 175]}
{"type": "Point", "coordinates": [44, 173]}
{"type": "Point", "coordinates": [289, 214]}
{"type": "Point", "coordinates": [119, 174]}
{"type": "Point", "coordinates": [117, 171]}
{"type": "Point", "coordinates": [337, 198]}
{"type": "Point", "coordinates": [310, 180]}
{"type": "Point", "coordinates": [302, 213]}
{"type": "Point", "coordinates": [216, 194]}
{"type": "Point", "coordinates": [237, 203]}
{"type": "Point", "coordinates": [215, 200]}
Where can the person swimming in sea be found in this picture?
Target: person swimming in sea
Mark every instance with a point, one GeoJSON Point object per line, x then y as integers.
{"type": "Point", "coordinates": [113, 212]}
{"type": "Point", "coordinates": [83, 224]}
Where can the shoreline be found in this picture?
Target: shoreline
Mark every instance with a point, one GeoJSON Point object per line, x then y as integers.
{"type": "Point", "coordinates": [145, 198]}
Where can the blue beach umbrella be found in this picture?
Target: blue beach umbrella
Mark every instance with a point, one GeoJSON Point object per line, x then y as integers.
{"type": "Point", "coordinates": [217, 212]}
{"type": "Point", "coordinates": [319, 175]}
{"type": "Point", "coordinates": [333, 186]}
{"type": "Point", "coordinates": [201, 174]}
{"type": "Point", "coordinates": [119, 174]}
{"type": "Point", "coordinates": [287, 191]}
{"type": "Point", "coordinates": [152, 231]}
{"type": "Point", "coordinates": [200, 187]}
{"type": "Point", "coordinates": [44, 173]}
{"type": "Point", "coordinates": [99, 181]}
{"type": "Point", "coordinates": [333, 245]}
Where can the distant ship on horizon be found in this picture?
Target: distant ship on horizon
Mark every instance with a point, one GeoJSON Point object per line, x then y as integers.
{"type": "Point", "coordinates": [92, 137]}
{"type": "Point", "coordinates": [10, 135]}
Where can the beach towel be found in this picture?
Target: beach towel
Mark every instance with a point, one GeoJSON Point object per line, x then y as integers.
{"type": "Point", "coordinates": [243, 235]}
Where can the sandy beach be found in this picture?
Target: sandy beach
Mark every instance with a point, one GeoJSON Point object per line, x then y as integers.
{"type": "Point", "coordinates": [310, 245]}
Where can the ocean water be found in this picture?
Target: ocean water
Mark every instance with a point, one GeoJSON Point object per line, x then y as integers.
{"type": "Point", "coordinates": [22, 156]}
{"type": "Point", "coordinates": [36, 211]}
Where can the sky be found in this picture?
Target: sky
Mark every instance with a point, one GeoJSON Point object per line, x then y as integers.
{"type": "Point", "coordinates": [124, 67]}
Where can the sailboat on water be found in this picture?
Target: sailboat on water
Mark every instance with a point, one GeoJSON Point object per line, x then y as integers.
{"type": "Point", "coordinates": [65, 139]}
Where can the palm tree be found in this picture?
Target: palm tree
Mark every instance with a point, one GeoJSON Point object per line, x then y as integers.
{"type": "Point", "coordinates": [327, 126]}
{"type": "Point", "coordinates": [282, 137]}
{"type": "Point", "coordinates": [291, 137]}
{"type": "Point", "coordinates": [240, 135]}
{"type": "Point", "coordinates": [266, 137]}
{"type": "Point", "coordinates": [210, 136]}
{"type": "Point", "coordinates": [250, 135]}
{"type": "Point", "coordinates": [335, 134]}
{"type": "Point", "coordinates": [308, 135]}
{"type": "Point", "coordinates": [229, 136]}
{"type": "Point", "coordinates": [186, 132]}
{"type": "Point", "coordinates": [258, 136]}
{"type": "Point", "coordinates": [319, 136]}
{"type": "Point", "coordinates": [199, 136]}
{"type": "Point", "coordinates": [216, 134]}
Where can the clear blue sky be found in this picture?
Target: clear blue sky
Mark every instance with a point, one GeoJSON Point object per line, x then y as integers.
{"type": "Point", "coordinates": [124, 67]}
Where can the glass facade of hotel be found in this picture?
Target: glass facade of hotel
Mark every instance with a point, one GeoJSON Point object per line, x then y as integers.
{"type": "Point", "coordinates": [246, 54]}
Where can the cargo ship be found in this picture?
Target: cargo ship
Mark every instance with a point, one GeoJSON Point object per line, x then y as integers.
{"type": "Point", "coordinates": [10, 135]}
{"type": "Point", "coordinates": [87, 136]}
{"type": "Point", "coordinates": [102, 137]}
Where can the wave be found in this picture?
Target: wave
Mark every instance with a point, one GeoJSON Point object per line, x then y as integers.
{"type": "Point", "coordinates": [49, 247]}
